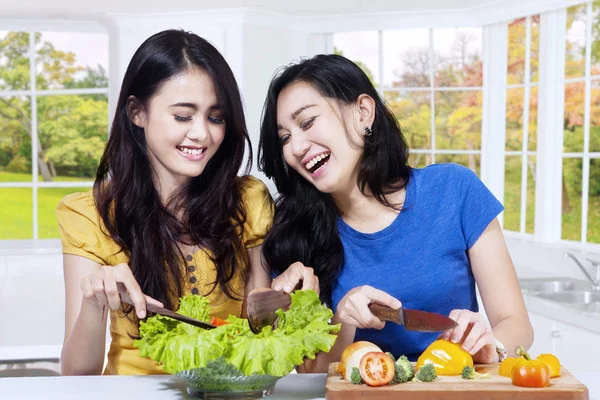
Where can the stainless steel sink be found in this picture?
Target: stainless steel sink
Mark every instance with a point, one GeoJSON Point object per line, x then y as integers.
{"type": "Point", "coordinates": [590, 307]}
{"type": "Point", "coordinates": [553, 285]}
{"type": "Point", "coordinates": [573, 297]}
{"type": "Point", "coordinates": [568, 292]}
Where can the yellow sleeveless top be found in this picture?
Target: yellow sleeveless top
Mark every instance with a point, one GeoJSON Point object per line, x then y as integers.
{"type": "Point", "coordinates": [81, 234]}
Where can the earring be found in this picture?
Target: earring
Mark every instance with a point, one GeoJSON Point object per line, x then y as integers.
{"type": "Point", "coordinates": [368, 131]}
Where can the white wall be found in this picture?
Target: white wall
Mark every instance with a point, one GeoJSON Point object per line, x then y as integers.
{"type": "Point", "coordinates": [265, 49]}
{"type": "Point", "coordinates": [31, 301]}
{"type": "Point", "coordinates": [127, 33]}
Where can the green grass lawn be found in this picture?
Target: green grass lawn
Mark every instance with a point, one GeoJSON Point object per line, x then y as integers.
{"type": "Point", "coordinates": [14, 177]}
{"type": "Point", "coordinates": [17, 177]}
{"type": "Point", "coordinates": [16, 211]}
{"type": "Point", "coordinates": [512, 196]}
{"type": "Point", "coordinates": [571, 221]}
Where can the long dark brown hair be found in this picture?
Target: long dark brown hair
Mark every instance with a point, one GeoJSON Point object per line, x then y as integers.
{"type": "Point", "coordinates": [305, 224]}
{"type": "Point", "coordinates": [127, 200]}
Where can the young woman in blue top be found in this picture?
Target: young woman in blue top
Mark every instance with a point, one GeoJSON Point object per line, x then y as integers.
{"type": "Point", "coordinates": [373, 228]}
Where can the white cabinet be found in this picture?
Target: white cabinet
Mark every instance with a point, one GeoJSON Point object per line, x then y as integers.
{"type": "Point", "coordinates": [577, 349]}
{"type": "Point", "coordinates": [544, 334]}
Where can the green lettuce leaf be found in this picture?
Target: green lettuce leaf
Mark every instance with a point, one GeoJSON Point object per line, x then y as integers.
{"type": "Point", "coordinates": [197, 307]}
{"type": "Point", "coordinates": [302, 332]}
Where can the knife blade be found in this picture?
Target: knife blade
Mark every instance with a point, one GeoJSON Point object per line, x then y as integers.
{"type": "Point", "coordinates": [414, 320]}
{"type": "Point", "coordinates": [168, 313]}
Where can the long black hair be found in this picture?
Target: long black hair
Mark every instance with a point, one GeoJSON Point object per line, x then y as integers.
{"type": "Point", "coordinates": [127, 200]}
{"type": "Point", "coordinates": [305, 224]}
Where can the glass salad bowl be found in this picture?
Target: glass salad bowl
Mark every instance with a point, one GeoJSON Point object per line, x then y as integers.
{"type": "Point", "coordinates": [220, 380]}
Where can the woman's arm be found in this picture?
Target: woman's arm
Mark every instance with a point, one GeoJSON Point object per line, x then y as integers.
{"type": "Point", "coordinates": [258, 278]}
{"type": "Point", "coordinates": [502, 298]}
{"type": "Point", "coordinates": [85, 325]}
{"type": "Point", "coordinates": [259, 275]}
{"type": "Point", "coordinates": [500, 290]}
{"type": "Point", "coordinates": [89, 289]}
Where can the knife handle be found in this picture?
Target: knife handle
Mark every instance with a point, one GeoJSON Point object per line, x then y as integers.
{"type": "Point", "coordinates": [386, 313]}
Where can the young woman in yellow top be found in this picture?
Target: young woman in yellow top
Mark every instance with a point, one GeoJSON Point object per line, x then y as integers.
{"type": "Point", "coordinates": [168, 216]}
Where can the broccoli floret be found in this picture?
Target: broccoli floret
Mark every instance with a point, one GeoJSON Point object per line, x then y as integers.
{"type": "Point", "coordinates": [404, 371]}
{"type": "Point", "coordinates": [468, 372]}
{"type": "Point", "coordinates": [397, 375]}
{"type": "Point", "coordinates": [391, 356]}
{"type": "Point", "coordinates": [425, 374]}
{"type": "Point", "coordinates": [355, 376]}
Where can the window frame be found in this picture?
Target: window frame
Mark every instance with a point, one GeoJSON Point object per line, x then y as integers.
{"type": "Point", "coordinates": [432, 89]}
{"type": "Point", "coordinates": [31, 28]}
{"type": "Point", "coordinates": [586, 156]}
{"type": "Point", "coordinates": [524, 152]}
{"type": "Point", "coordinates": [551, 85]}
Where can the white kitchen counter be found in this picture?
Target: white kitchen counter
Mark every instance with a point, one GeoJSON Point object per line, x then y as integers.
{"type": "Point", "coordinates": [158, 387]}
{"type": "Point", "coordinates": [568, 315]}
{"type": "Point", "coordinates": [161, 387]}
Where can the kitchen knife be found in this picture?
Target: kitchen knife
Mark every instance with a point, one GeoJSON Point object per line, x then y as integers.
{"type": "Point", "coordinates": [414, 320]}
{"type": "Point", "coordinates": [168, 313]}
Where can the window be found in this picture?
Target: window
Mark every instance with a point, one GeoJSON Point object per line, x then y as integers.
{"type": "Point", "coordinates": [432, 80]}
{"type": "Point", "coordinates": [521, 124]}
{"type": "Point", "coordinates": [53, 124]}
{"type": "Point", "coordinates": [580, 209]}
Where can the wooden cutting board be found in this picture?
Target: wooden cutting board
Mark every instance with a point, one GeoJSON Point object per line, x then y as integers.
{"type": "Point", "coordinates": [454, 387]}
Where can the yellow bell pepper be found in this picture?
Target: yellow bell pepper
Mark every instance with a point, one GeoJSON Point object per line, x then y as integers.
{"type": "Point", "coordinates": [552, 362]}
{"type": "Point", "coordinates": [507, 365]}
{"type": "Point", "coordinates": [447, 358]}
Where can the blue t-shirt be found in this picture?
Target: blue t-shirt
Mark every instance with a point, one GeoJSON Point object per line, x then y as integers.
{"type": "Point", "coordinates": [421, 257]}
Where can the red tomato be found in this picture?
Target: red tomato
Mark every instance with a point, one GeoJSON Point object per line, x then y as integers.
{"type": "Point", "coordinates": [218, 321]}
{"type": "Point", "coordinates": [376, 368]}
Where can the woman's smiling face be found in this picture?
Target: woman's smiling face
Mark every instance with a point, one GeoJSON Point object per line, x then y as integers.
{"type": "Point", "coordinates": [183, 126]}
{"type": "Point", "coordinates": [320, 139]}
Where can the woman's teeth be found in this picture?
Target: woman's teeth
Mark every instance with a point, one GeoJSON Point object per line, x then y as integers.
{"type": "Point", "coordinates": [317, 162]}
{"type": "Point", "coordinates": [194, 152]}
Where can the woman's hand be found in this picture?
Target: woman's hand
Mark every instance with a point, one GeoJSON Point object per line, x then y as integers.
{"type": "Point", "coordinates": [290, 279]}
{"type": "Point", "coordinates": [103, 286]}
{"type": "Point", "coordinates": [474, 334]}
{"type": "Point", "coordinates": [354, 310]}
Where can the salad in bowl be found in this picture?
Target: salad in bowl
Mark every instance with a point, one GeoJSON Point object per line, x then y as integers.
{"type": "Point", "coordinates": [230, 361]}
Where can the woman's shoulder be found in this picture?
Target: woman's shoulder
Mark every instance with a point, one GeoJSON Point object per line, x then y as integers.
{"type": "Point", "coordinates": [79, 202]}
{"type": "Point", "coordinates": [259, 207]}
{"type": "Point", "coordinates": [444, 175]}
{"type": "Point", "coordinates": [82, 231]}
{"type": "Point", "coordinates": [445, 182]}
{"type": "Point", "coordinates": [443, 171]}
{"type": "Point", "coordinates": [252, 188]}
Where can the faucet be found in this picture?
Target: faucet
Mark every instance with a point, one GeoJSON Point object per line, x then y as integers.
{"type": "Point", "coordinates": [595, 270]}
